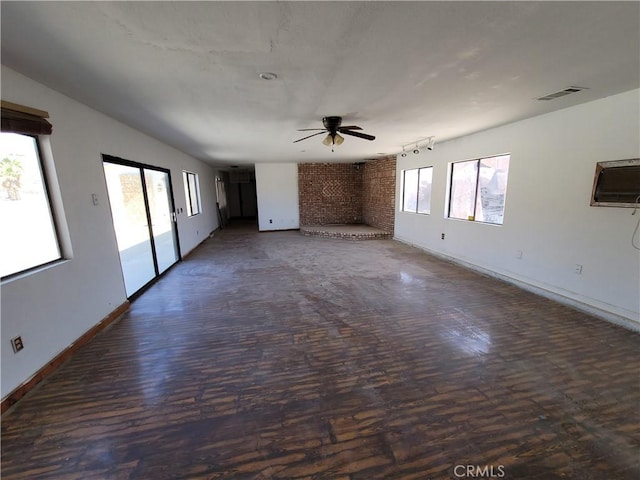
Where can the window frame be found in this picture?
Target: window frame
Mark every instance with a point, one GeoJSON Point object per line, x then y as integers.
{"type": "Point", "coordinates": [404, 183]}
{"type": "Point", "coordinates": [189, 195]}
{"type": "Point", "coordinates": [472, 218]}
{"type": "Point", "coordinates": [53, 216]}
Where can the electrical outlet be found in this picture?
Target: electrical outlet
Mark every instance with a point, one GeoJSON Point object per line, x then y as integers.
{"type": "Point", "coordinates": [578, 269]}
{"type": "Point", "coordinates": [519, 254]}
{"type": "Point", "coordinates": [442, 236]}
{"type": "Point", "coordinates": [17, 344]}
{"type": "Point", "coordinates": [270, 220]}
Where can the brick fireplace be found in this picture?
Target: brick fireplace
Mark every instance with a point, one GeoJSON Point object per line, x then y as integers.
{"type": "Point", "coordinates": [348, 193]}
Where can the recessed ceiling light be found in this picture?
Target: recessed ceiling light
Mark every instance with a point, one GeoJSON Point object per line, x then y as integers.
{"type": "Point", "coordinates": [268, 76]}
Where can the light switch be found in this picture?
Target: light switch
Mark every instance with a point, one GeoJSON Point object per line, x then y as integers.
{"type": "Point", "coordinates": [94, 198]}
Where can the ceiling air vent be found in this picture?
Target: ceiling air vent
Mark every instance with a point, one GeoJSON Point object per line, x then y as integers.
{"type": "Point", "coordinates": [562, 93]}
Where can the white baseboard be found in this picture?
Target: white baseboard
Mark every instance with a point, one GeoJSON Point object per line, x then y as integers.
{"type": "Point", "coordinates": [611, 317]}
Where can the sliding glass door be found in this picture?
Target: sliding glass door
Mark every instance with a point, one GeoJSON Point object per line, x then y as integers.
{"type": "Point", "coordinates": [161, 215]}
{"type": "Point", "coordinates": [141, 202]}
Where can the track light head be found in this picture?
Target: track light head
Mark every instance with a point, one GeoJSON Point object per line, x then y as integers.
{"type": "Point", "coordinates": [431, 143]}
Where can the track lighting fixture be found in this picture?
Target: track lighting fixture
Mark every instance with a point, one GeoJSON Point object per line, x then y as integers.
{"type": "Point", "coordinates": [430, 141]}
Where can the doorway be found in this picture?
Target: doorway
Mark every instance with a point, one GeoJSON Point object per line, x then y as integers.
{"type": "Point", "coordinates": [142, 208]}
{"type": "Point", "coordinates": [243, 203]}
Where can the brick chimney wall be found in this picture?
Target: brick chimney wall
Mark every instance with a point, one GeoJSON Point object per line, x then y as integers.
{"type": "Point", "coordinates": [379, 193]}
{"type": "Point", "coordinates": [345, 193]}
{"type": "Point", "coordinates": [330, 193]}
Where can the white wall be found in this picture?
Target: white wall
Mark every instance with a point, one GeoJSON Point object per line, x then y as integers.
{"type": "Point", "coordinates": [277, 188]}
{"type": "Point", "coordinates": [547, 213]}
{"type": "Point", "coordinates": [51, 308]}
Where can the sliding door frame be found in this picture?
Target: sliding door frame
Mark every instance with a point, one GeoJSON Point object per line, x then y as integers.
{"type": "Point", "coordinates": [141, 167]}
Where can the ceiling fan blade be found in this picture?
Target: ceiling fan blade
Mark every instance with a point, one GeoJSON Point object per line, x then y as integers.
{"type": "Point", "coordinates": [312, 135]}
{"type": "Point", "coordinates": [310, 129]}
{"type": "Point", "coordinates": [358, 134]}
{"type": "Point", "coordinates": [350, 127]}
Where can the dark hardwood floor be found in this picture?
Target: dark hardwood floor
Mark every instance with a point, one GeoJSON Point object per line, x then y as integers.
{"type": "Point", "coordinates": [268, 356]}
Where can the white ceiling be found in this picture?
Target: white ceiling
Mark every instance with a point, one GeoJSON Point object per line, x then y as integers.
{"type": "Point", "coordinates": [187, 72]}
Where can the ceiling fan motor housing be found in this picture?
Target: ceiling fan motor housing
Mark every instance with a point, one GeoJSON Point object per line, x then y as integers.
{"type": "Point", "coordinates": [332, 123]}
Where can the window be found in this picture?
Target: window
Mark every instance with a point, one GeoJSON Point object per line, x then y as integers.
{"type": "Point", "coordinates": [192, 192]}
{"type": "Point", "coordinates": [29, 237]}
{"type": "Point", "coordinates": [416, 193]}
{"type": "Point", "coordinates": [478, 189]}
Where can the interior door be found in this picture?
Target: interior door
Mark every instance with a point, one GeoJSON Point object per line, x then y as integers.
{"type": "Point", "coordinates": [142, 209]}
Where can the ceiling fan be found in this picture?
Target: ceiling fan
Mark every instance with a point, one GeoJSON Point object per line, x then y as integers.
{"type": "Point", "coordinates": [333, 127]}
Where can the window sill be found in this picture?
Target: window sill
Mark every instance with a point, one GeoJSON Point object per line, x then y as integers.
{"type": "Point", "coordinates": [464, 220]}
{"type": "Point", "coordinates": [32, 271]}
{"type": "Point", "coordinates": [415, 213]}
